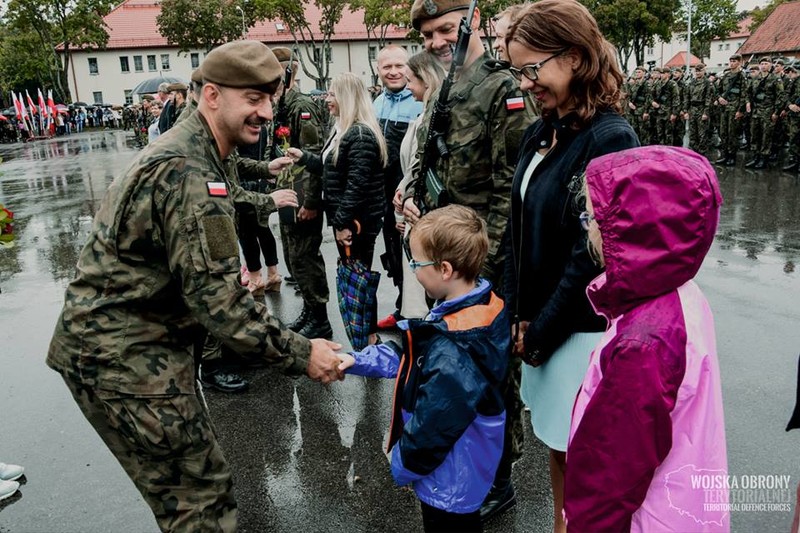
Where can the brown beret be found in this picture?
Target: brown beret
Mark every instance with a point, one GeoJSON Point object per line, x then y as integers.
{"type": "Point", "coordinates": [197, 76]}
{"type": "Point", "coordinates": [699, 66]}
{"type": "Point", "coordinates": [242, 64]}
{"type": "Point", "coordinates": [176, 87]}
{"type": "Point", "coordinates": [148, 97]}
{"type": "Point", "coordinates": [431, 9]}
{"type": "Point", "coordinates": [282, 53]}
{"type": "Point", "coordinates": [736, 57]}
{"type": "Point", "coordinates": [765, 60]}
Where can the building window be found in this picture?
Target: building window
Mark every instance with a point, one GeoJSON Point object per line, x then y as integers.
{"type": "Point", "coordinates": [151, 63]}
{"type": "Point", "coordinates": [195, 59]}
{"type": "Point", "coordinates": [727, 46]}
{"type": "Point", "coordinates": [98, 97]}
{"type": "Point", "coordinates": [372, 54]}
{"type": "Point", "coordinates": [164, 61]}
{"type": "Point", "coordinates": [651, 51]}
{"type": "Point", "coordinates": [128, 96]}
{"type": "Point", "coordinates": [137, 63]}
{"type": "Point", "coordinates": [280, 27]}
{"type": "Point", "coordinates": [414, 48]}
{"type": "Point", "coordinates": [123, 64]}
{"type": "Point", "coordinates": [93, 70]}
{"type": "Point", "coordinates": [720, 47]}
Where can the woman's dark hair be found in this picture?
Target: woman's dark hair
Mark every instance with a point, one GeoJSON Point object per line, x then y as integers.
{"type": "Point", "coordinates": [556, 25]}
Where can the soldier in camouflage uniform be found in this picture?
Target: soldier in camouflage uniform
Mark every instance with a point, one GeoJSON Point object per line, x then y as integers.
{"type": "Point", "coordinates": [301, 229]}
{"type": "Point", "coordinates": [792, 112]}
{"type": "Point", "coordinates": [697, 104]}
{"type": "Point", "coordinates": [665, 107]}
{"type": "Point", "coordinates": [638, 97]}
{"type": "Point", "coordinates": [160, 265]}
{"type": "Point", "coordinates": [679, 126]}
{"type": "Point", "coordinates": [489, 115]}
{"type": "Point", "coordinates": [765, 101]}
{"type": "Point", "coordinates": [731, 101]}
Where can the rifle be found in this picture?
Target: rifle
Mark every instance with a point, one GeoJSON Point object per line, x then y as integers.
{"type": "Point", "coordinates": [282, 113]}
{"type": "Point", "coordinates": [435, 146]}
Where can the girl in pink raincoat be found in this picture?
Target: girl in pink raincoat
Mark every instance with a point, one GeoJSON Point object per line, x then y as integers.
{"type": "Point", "coordinates": [647, 448]}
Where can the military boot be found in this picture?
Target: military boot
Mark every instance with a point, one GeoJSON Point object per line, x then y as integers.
{"type": "Point", "coordinates": [722, 159]}
{"type": "Point", "coordinates": [318, 326]}
{"type": "Point", "coordinates": [760, 163]}
{"type": "Point", "coordinates": [752, 162]}
{"type": "Point", "coordinates": [793, 165]}
{"type": "Point", "coordinates": [301, 321]}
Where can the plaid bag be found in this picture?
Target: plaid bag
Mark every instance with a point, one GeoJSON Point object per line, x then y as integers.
{"type": "Point", "coordinates": [357, 290]}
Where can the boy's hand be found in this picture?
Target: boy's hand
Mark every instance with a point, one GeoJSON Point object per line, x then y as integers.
{"type": "Point", "coordinates": [347, 361]}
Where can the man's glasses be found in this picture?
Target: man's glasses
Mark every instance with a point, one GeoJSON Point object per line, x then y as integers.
{"type": "Point", "coordinates": [585, 219]}
{"type": "Point", "coordinates": [412, 264]}
{"type": "Point", "coordinates": [532, 71]}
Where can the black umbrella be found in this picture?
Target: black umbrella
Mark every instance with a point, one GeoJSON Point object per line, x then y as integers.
{"type": "Point", "coordinates": [10, 112]}
{"type": "Point", "coordinates": [150, 86]}
{"type": "Point", "coordinates": [79, 104]}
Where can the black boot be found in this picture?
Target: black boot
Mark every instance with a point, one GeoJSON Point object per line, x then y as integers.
{"type": "Point", "coordinates": [793, 165]}
{"type": "Point", "coordinates": [318, 326]}
{"type": "Point", "coordinates": [760, 163]}
{"type": "Point", "coordinates": [301, 321]}
{"type": "Point", "coordinates": [222, 380]}
{"type": "Point", "coordinates": [752, 162]}
{"type": "Point", "coordinates": [731, 160]}
{"type": "Point", "coordinates": [501, 497]}
{"type": "Point", "coordinates": [722, 159]}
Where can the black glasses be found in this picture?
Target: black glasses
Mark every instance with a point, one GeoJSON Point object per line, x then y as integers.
{"type": "Point", "coordinates": [585, 219]}
{"type": "Point", "coordinates": [532, 71]}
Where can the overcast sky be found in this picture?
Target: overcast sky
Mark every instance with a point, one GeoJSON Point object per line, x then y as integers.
{"type": "Point", "coordinates": [750, 4]}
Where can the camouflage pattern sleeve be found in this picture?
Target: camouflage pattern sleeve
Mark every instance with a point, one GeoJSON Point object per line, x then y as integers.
{"type": "Point", "coordinates": [308, 121]}
{"type": "Point", "coordinates": [252, 170]}
{"type": "Point", "coordinates": [203, 255]}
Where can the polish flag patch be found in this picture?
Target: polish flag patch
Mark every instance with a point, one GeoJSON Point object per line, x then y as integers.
{"type": "Point", "coordinates": [217, 188]}
{"type": "Point", "coordinates": [305, 115]}
{"type": "Point", "coordinates": [515, 103]}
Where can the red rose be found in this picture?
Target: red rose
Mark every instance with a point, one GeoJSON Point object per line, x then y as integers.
{"type": "Point", "coordinates": [8, 229]}
{"type": "Point", "coordinates": [283, 132]}
{"type": "Point", "coordinates": [9, 214]}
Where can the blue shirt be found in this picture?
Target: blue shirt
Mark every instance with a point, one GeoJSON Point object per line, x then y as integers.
{"type": "Point", "coordinates": [396, 107]}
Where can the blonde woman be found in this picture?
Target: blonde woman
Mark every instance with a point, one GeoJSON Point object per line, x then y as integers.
{"type": "Point", "coordinates": [351, 165]}
{"type": "Point", "coordinates": [424, 75]}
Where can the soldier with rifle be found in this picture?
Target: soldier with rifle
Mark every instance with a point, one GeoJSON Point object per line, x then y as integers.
{"type": "Point", "coordinates": [469, 143]}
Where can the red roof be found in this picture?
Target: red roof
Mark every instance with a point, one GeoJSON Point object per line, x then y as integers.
{"type": "Point", "coordinates": [744, 28]}
{"type": "Point", "coordinates": [679, 60]}
{"type": "Point", "coordinates": [780, 33]}
{"type": "Point", "coordinates": [132, 24]}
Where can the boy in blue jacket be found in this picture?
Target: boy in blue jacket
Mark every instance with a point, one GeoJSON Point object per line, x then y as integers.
{"type": "Point", "coordinates": [446, 434]}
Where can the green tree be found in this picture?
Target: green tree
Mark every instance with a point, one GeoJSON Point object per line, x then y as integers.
{"type": "Point", "coordinates": [632, 25]}
{"type": "Point", "coordinates": [760, 14]}
{"type": "Point", "coordinates": [313, 44]}
{"type": "Point", "coordinates": [22, 63]}
{"type": "Point", "coordinates": [711, 19]}
{"type": "Point", "coordinates": [60, 26]}
{"type": "Point", "coordinates": [379, 16]}
{"type": "Point", "coordinates": [203, 24]}
{"type": "Point", "coordinates": [489, 9]}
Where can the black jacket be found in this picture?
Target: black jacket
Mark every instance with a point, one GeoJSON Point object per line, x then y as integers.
{"type": "Point", "coordinates": [549, 266]}
{"type": "Point", "coordinates": [353, 187]}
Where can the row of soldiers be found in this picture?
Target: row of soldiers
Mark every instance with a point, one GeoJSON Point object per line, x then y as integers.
{"type": "Point", "coordinates": [761, 104]}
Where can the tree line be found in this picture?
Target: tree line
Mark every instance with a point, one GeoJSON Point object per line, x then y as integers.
{"type": "Point", "coordinates": [37, 36]}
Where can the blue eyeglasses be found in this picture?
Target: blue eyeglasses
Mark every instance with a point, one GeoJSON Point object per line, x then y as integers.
{"type": "Point", "coordinates": [416, 265]}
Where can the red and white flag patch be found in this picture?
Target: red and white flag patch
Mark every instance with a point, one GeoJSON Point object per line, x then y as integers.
{"type": "Point", "coordinates": [217, 188]}
{"type": "Point", "coordinates": [515, 103]}
{"type": "Point", "coordinates": [305, 115]}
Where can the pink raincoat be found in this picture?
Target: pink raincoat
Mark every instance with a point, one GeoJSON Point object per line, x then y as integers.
{"type": "Point", "coordinates": [647, 441]}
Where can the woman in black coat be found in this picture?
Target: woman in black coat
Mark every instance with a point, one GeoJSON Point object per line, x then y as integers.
{"type": "Point", "coordinates": [566, 64]}
{"type": "Point", "coordinates": [351, 165]}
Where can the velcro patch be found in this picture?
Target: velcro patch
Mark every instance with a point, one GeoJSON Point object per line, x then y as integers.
{"type": "Point", "coordinates": [217, 188]}
{"type": "Point", "coordinates": [220, 236]}
{"type": "Point", "coordinates": [515, 103]}
{"type": "Point", "coordinates": [305, 115]}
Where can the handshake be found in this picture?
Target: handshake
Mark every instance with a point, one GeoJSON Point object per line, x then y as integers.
{"type": "Point", "coordinates": [325, 364]}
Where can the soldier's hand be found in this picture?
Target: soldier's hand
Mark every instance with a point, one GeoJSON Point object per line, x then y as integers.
{"type": "Point", "coordinates": [276, 166]}
{"type": "Point", "coordinates": [323, 363]}
{"type": "Point", "coordinates": [747, 107]}
{"type": "Point", "coordinates": [774, 118]}
{"type": "Point", "coordinates": [410, 211]}
{"type": "Point", "coordinates": [294, 153]}
{"type": "Point", "coordinates": [794, 108]}
{"type": "Point", "coordinates": [632, 106]}
{"type": "Point", "coordinates": [738, 115]}
{"type": "Point", "coordinates": [672, 118]}
{"type": "Point", "coordinates": [284, 198]}
{"type": "Point", "coordinates": [645, 116]}
{"type": "Point", "coordinates": [704, 117]}
{"type": "Point", "coordinates": [306, 214]}
{"type": "Point", "coordinates": [722, 101]}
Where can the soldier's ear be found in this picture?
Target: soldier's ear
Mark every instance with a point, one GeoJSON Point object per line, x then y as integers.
{"type": "Point", "coordinates": [476, 19]}
{"type": "Point", "coordinates": [211, 93]}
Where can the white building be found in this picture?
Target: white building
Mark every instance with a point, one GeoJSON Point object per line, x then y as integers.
{"type": "Point", "coordinates": [723, 49]}
{"type": "Point", "coordinates": [136, 51]}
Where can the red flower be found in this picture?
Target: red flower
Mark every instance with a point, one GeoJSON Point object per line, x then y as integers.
{"type": "Point", "coordinates": [9, 214]}
{"type": "Point", "coordinates": [283, 132]}
{"type": "Point", "coordinates": [8, 229]}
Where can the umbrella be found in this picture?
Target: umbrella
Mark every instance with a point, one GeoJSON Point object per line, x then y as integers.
{"type": "Point", "coordinates": [357, 289]}
{"type": "Point", "coordinates": [3, 118]}
{"type": "Point", "coordinates": [150, 86]}
{"type": "Point", "coordinates": [61, 107]}
{"type": "Point", "coordinates": [10, 112]}
{"type": "Point", "coordinates": [79, 104]}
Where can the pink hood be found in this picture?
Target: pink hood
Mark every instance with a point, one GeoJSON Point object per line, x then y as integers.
{"type": "Point", "coordinates": [659, 229]}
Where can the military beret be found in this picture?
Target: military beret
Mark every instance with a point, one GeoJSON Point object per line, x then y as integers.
{"type": "Point", "coordinates": [242, 64]}
{"type": "Point", "coordinates": [431, 9]}
{"type": "Point", "coordinates": [197, 76]}
{"type": "Point", "coordinates": [736, 57]}
{"type": "Point", "coordinates": [753, 67]}
{"type": "Point", "coordinates": [643, 69]}
{"type": "Point", "coordinates": [765, 60]}
{"type": "Point", "coordinates": [176, 87]}
{"type": "Point", "coordinates": [790, 68]}
{"type": "Point", "coordinates": [148, 97]}
{"type": "Point", "coordinates": [699, 66]}
{"type": "Point", "coordinates": [282, 53]}
{"type": "Point", "coordinates": [779, 61]}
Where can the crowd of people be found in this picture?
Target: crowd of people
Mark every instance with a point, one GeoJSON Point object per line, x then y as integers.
{"type": "Point", "coordinates": [545, 261]}
{"type": "Point", "coordinates": [756, 109]}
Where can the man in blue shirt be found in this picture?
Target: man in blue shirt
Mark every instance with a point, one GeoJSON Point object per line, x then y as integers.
{"type": "Point", "coordinates": [395, 108]}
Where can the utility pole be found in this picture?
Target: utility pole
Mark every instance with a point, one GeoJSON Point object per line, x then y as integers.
{"type": "Point", "coordinates": [244, 27]}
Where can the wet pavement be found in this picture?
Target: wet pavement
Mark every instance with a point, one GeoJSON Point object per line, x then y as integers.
{"type": "Point", "coordinates": [309, 458]}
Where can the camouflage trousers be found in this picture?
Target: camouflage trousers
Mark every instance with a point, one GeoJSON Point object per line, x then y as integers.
{"type": "Point", "coordinates": [761, 129]}
{"type": "Point", "coordinates": [513, 437]}
{"type": "Point", "coordinates": [698, 131]}
{"type": "Point", "coordinates": [793, 125]}
{"type": "Point", "coordinates": [641, 127]}
{"type": "Point", "coordinates": [730, 129]}
{"type": "Point", "coordinates": [301, 244]}
{"type": "Point", "coordinates": [168, 447]}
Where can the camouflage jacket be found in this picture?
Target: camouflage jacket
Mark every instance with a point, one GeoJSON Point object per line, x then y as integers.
{"type": "Point", "coordinates": [306, 126]}
{"type": "Point", "coordinates": [733, 88]}
{"type": "Point", "coordinates": [698, 96]}
{"type": "Point", "coordinates": [160, 266]}
{"type": "Point", "coordinates": [766, 95]}
{"type": "Point", "coordinates": [639, 96]}
{"type": "Point", "coordinates": [489, 115]}
{"type": "Point", "coordinates": [792, 96]}
{"type": "Point", "coordinates": [667, 95]}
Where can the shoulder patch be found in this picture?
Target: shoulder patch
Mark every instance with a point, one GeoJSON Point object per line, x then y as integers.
{"type": "Point", "coordinates": [515, 103]}
{"type": "Point", "coordinates": [217, 188]}
{"type": "Point", "coordinates": [305, 115]}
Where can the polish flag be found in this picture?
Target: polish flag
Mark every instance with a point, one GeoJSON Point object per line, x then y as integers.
{"type": "Point", "coordinates": [305, 115]}
{"type": "Point", "coordinates": [217, 188]}
{"type": "Point", "coordinates": [515, 103]}
{"type": "Point", "coordinates": [22, 107]}
{"type": "Point", "coordinates": [43, 108]}
{"type": "Point", "coordinates": [17, 107]}
{"type": "Point", "coordinates": [51, 104]}
{"type": "Point", "coordinates": [31, 105]}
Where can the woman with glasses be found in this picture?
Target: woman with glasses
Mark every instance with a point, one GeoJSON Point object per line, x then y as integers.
{"type": "Point", "coordinates": [564, 63]}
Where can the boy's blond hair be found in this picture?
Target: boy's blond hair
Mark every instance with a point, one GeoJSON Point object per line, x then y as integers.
{"type": "Point", "coordinates": [455, 234]}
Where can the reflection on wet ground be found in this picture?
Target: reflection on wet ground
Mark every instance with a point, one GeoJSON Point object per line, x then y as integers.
{"type": "Point", "coordinates": [311, 458]}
